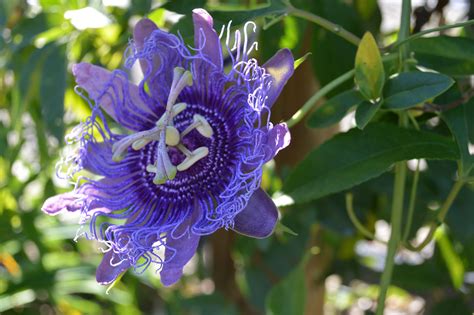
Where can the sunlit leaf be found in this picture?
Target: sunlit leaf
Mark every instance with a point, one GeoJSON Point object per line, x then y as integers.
{"type": "Point", "coordinates": [369, 70]}
{"type": "Point", "coordinates": [299, 61]}
{"type": "Point", "coordinates": [453, 261]}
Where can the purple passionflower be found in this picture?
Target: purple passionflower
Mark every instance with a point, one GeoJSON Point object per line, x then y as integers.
{"type": "Point", "coordinates": [186, 156]}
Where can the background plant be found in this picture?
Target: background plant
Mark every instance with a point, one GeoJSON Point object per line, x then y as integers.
{"type": "Point", "coordinates": [409, 92]}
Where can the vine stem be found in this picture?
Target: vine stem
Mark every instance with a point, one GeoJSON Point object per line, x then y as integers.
{"type": "Point", "coordinates": [317, 96]}
{"type": "Point", "coordinates": [441, 215]}
{"type": "Point", "coordinates": [330, 26]}
{"type": "Point", "coordinates": [414, 190]}
{"type": "Point", "coordinates": [411, 205]}
{"type": "Point", "coordinates": [400, 178]}
{"type": "Point", "coordinates": [353, 217]}
{"type": "Point", "coordinates": [431, 30]}
{"type": "Point", "coordinates": [396, 223]}
{"type": "Point", "coordinates": [312, 101]}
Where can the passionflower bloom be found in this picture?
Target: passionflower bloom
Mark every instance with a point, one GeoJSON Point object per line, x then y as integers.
{"type": "Point", "coordinates": [185, 155]}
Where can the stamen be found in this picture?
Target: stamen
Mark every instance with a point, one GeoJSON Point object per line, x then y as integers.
{"type": "Point", "coordinates": [201, 125]}
{"type": "Point", "coordinates": [167, 135]}
{"type": "Point", "coordinates": [120, 147]}
{"type": "Point", "coordinates": [195, 156]}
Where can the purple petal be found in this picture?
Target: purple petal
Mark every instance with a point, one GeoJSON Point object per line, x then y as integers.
{"type": "Point", "coordinates": [277, 138]}
{"type": "Point", "coordinates": [86, 198]}
{"type": "Point", "coordinates": [110, 268]}
{"type": "Point", "coordinates": [281, 68]}
{"type": "Point", "coordinates": [141, 32]}
{"type": "Point", "coordinates": [181, 244]}
{"type": "Point", "coordinates": [96, 157]}
{"type": "Point", "coordinates": [205, 37]}
{"type": "Point", "coordinates": [117, 96]}
{"type": "Point", "coordinates": [258, 218]}
{"type": "Point", "coordinates": [69, 201]}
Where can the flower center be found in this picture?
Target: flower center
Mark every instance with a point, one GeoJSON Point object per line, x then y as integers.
{"type": "Point", "coordinates": [168, 135]}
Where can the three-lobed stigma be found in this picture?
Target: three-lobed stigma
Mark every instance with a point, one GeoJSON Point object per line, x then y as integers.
{"type": "Point", "coordinates": [168, 135]}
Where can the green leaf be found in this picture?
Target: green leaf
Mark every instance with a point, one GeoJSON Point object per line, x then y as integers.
{"type": "Point", "coordinates": [273, 8]}
{"type": "Point", "coordinates": [450, 55]}
{"type": "Point", "coordinates": [52, 88]}
{"type": "Point", "coordinates": [299, 61]}
{"type": "Point", "coordinates": [366, 8]}
{"type": "Point", "coordinates": [369, 70]}
{"type": "Point", "coordinates": [281, 228]}
{"type": "Point", "coordinates": [457, 121]}
{"type": "Point", "coordinates": [365, 112]}
{"type": "Point", "coordinates": [334, 109]}
{"type": "Point", "coordinates": [183, 6]}
{"type": "Point", "coordinates": [6, 10]}
{"type": "Point", "coordinates": [28, 29]}
{"type": "Point", "coordinates": [354, 157]}
{"type": "Point", "coordinates": [332, 55]}
{"type": "Point", "coordinates": [411, 88]}
{"type": "Point", "coordinates": [469, 108]}
{"type": "Point", "coordinates": [453, 261]}
{"type": "Point", "coordinates": [289, 295]}
{"type": "Point", "coordinates": [452, 305]}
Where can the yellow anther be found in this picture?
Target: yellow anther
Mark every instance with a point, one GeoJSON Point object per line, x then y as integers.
{"type": "Point", "coordinates": [188, 76]}
{"type": "Point", "coordinates": [118, 156]}
{"type": "Point", "coordinates": [139, 144]}
{"type": "Point", "coordinates": [178, 108]}
{"type": "Point", "coordinates": [203, 126]}
{"type": "Point", "coordinates": [195, 156]}
{"type": "Point", "coordinates": [150, 168]}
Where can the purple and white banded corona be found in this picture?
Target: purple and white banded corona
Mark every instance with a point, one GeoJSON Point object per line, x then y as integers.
{"type": "Point", "coordinates": [184, 155]}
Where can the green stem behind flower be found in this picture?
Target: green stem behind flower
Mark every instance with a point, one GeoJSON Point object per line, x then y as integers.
{"type": "Point", "coordinates": [298, 116]}
{"type": "Point", "coordinates": [440, 216]}
{"type": "Point", "coordinates": [400, 177]}
{"type": "Point", "coordinates": [395, 222]}
{"type": "Point", "coordinates": [330, 26]}
{"type": "Point", "coordinates": [312, 101]}
{"type": "Point", "coordinates": [431, 30]}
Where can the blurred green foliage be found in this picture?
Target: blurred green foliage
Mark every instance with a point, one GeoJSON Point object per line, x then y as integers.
{"type": "Point", "coordinates": [44, 271]}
